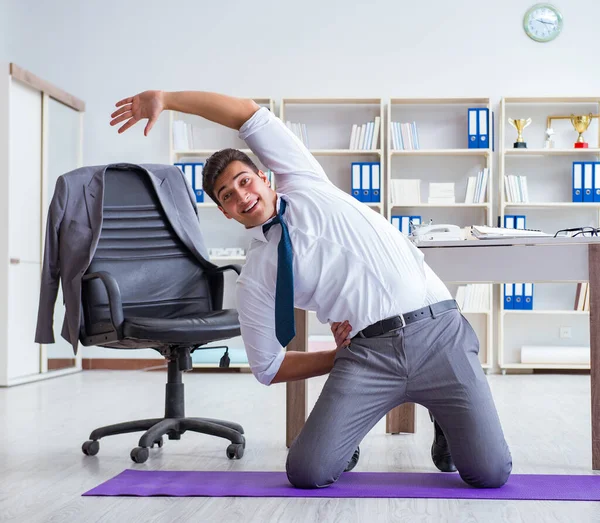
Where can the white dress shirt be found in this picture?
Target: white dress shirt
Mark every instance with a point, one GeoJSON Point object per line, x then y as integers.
{"type": "Point", "coordinates": [350, 263]}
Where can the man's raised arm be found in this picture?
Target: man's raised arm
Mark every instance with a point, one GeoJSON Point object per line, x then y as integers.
{"type": "Point", "coordinates": [225, 110]}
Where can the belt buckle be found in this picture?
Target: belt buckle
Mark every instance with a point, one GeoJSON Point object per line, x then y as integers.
{"type": "Point", "coordinates": [401, 316]}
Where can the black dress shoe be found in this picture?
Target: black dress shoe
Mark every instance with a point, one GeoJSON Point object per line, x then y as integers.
{"type": "Point", "coordinates": [440, 453]}
{"type": "Point", "coordinates": [353, 460]}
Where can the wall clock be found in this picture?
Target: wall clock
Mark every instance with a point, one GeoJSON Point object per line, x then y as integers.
{"type": "Point", "coordinates": [542, 22]}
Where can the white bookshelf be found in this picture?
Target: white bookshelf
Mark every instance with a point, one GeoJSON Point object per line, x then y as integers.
{"type": "Point", "coordinates": [545, 366]}
{"type": "Point", "coordinates": [439, 152]}
{"type": "Point", "coordinates": [549, 184]}
{"type": "Point", "coordinates": [346, 152]}
{"type": "Point", "coordinates": [451, 205]}
{"type": "Point", "coordinates": [329, 124]}
{"type": "Point", "coordinates": [444, 156]}
{"type": "Point", "coordinates": [552, 152]}
{"type": "Point", "coordinates": [560, 312]}
{"type": "Point", "coordinates": [176, 154]}
{"type": "Point", "coordinates": [442, 129]}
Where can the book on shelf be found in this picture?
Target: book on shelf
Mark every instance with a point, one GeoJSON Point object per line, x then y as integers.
{"type": "Point", "coordinates": [515, 188]}
{"type": "Point", "coordinates": [477, 187]}
{"type": "Point", "coordinates": [405, 136]}
{"type": "Point", "coordinates": [299, 129]}
{"type": "Point", "coordinates": [405, 192]}
{"type": "Point", "coordinates": [365, 137]}
{"type": "Point", "coordinates": [185, 136]}
{"type": "Point", "coordinates": [441, 193]}
{"type": "Point", "coordinates": [582, 297]}
{"type": "Point", "coordinates": [473, 297]}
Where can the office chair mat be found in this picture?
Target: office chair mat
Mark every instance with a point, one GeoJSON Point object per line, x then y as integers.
{"type": "Point", "coordinates": [350, 485]}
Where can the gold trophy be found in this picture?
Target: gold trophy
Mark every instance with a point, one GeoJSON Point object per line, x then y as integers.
{"type": "Point", "coordinates": [581, 123]}
{"type": "Point", "coordinates": [519, 124]}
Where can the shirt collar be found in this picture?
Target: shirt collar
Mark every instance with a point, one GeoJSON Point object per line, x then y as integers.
{"type": "Point", "coordinates": [257, 231]}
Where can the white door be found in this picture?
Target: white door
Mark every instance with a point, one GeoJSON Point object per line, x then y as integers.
{"type": "Point", "coordinates": [23, 297]}
{"type": "Point", "coordinates": [25, 159]}
{"type": "Point", "coordinates": [24, 233]}
{"type": "Point", "coordinates": [63, 147]}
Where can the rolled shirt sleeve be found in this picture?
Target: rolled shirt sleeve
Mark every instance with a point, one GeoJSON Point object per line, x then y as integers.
{"type": "Point", "coordinates": [256, 311]}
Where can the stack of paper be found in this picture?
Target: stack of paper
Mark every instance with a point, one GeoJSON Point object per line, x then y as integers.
{"type": "Point", "coordinates": [484, 232]}
{"type": "Point", "coordinates": [405, 192]}
{"type": "Point", "coordinates": [555, 354]}
{"type": "Point", "coordinates": [473, 297]}
{"type": "Point", "coordinates": [441, 193]}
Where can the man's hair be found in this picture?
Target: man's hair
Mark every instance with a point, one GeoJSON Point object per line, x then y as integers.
{"type": "Point", "coordinates": [217, 163]}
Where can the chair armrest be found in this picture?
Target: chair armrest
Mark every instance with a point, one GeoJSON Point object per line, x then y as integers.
{"type": "Point", "coordinates": [216, 280]}
{"type": "Point", "coordinates": [223, 268]}
{"type": "Point", "coordinates": [115, 303]}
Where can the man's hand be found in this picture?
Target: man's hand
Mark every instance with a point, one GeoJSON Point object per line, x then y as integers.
{"type": "Point", "coordinates": [341, 330]}
{"type": "Point", "coordinates": [301, 365]}
{"type": "Point", "coordinates": [148, 104]}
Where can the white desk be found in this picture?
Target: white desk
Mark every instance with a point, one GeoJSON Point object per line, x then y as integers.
{"type": "Point", "coordinates": [491, 261]}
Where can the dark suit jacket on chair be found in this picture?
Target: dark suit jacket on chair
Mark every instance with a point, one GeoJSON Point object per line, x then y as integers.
{"type": "Point", "coordinates": [73, 229]}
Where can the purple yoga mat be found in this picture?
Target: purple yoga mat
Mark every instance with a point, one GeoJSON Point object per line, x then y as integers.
{"type": "Point", "coordinates": [350, 485]}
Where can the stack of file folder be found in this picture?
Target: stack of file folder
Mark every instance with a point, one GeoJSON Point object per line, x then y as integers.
{"type": "Point", "coordinates": [193, 175]}
{"type": "Point", "coordinates": [586, 182]}
{"type": "Point", "coordinates": [405, 192]}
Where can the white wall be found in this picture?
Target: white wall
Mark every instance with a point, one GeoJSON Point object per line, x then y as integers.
{"type": "Point", "coordinates": [105, 50]}
{"type": "Point", "coordinates": [4, 31]}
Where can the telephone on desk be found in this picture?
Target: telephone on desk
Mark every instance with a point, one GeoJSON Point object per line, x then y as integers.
{"type": "Point", "coordinates": [438, 232]}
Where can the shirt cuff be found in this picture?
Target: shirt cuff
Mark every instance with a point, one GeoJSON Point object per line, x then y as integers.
{"type": "Point", "coordinates": [266, 377]}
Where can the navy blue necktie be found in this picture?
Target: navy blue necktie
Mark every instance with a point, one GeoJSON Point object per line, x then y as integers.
{"type": "Point", "coordinates": [285, 327]}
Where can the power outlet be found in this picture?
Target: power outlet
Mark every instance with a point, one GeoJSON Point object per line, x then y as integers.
{"type": "Point", "coordinates": [565, 332]}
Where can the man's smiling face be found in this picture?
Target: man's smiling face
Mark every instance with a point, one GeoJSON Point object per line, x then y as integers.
{"type": "Point", "coordinates": [244, 195]}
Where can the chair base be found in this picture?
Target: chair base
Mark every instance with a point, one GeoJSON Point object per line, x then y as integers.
{"type": "Point", "coordinates": [156, 428]}
{"type": "Point", "coordinates": [174, 424]}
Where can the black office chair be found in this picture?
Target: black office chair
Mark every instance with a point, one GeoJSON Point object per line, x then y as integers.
{"type": "Point", "coordinates": [145, 289]}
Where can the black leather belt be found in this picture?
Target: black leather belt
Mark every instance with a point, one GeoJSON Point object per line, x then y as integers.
{"type": "Point", "coordinates": [398, 322]}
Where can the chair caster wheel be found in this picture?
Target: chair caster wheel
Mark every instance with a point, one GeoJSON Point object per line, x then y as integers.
{"type": "Point", "coordinates": [158, 442]}
{"type": "Point", "coordinates": [235, 451]}
{"type": "Point", "coordinates": [90, 448]}
{"type": "Point", "coordinates": [139, 454]}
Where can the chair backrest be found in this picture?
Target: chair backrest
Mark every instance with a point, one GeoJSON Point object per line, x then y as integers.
{"type": "Point", "coordinates": [157, 275]}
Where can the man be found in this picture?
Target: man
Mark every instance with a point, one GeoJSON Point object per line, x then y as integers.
{"type": "Point", "coordinates": [400, 335]}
